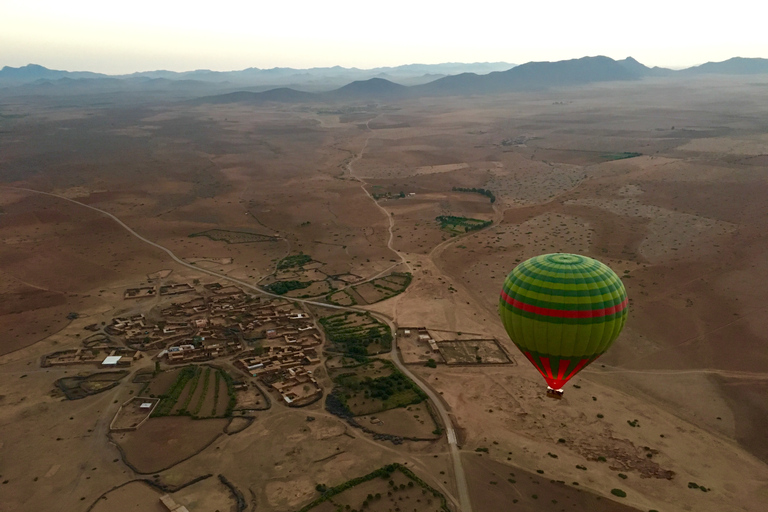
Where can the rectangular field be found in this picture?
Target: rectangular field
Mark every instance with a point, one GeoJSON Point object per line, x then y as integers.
{"type": "Point", "coordinates": [197, 391]}
{"type": "Point", "coordinates": [473, 352]}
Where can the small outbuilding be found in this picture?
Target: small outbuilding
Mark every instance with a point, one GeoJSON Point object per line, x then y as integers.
{"type": "Point", "coordinates": [111, 361]}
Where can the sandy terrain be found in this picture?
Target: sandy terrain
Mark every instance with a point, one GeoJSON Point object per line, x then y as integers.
{"type": "Point", "coordinates": [678, 399]}
{"type": "Point", "coordinates": [161, 443]}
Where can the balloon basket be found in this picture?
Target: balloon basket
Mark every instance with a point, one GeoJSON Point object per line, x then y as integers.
{"type": "Point", "coordinates": [554, 393]}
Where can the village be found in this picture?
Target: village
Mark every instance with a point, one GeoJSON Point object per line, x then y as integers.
{"type": "Point", "coordinates": [271, 340]}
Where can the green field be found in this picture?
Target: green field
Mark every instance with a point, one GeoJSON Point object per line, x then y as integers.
{"type": "Point", "coordinates": [234, 237]}
{"type": "Point", "coordinates": [386, 489]}
{"type": "Point", "coordinates": [461, 224]}
{"type": "Point", "coordinates": [197, 391]}
{"type": "Point", "coordinates": [481, 191]}
{"type": "Point", "coordinates": [296, 260]}
{"type": "Point", "coordinates": [357, 334]}
{"type": "Point", "coordinates": [374, 387]}
{"type": "Point", "coordinates": [620, 156]}
{"type": "Point", "coordinates": [283, 287]}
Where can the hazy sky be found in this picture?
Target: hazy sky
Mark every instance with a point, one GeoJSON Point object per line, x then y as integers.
{"type": "Point", "coordinates": [140, 35]}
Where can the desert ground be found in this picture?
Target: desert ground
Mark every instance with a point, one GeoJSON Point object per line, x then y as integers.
{"type": "Point", "coordinates": [662, 179]}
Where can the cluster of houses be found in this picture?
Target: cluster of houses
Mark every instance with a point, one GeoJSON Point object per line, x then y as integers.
{"type": "Point", "coordinates": [284, 369]}
{"type": "Point", "coordinates": [152, 291]}
{"type": "Point", "coordinates": [223, 323]}
{"type": "Point", "coordinates": [139, 335]}
{"type": "Point", "coordinates": [106, 356]}
{"type": "Point", "coordinates": [423, 336]}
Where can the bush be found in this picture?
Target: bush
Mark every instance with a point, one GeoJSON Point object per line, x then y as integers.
{"type": "Point", "coordinates": [431, 363]}
{"type": "Point", "coordinates": [619, 493]}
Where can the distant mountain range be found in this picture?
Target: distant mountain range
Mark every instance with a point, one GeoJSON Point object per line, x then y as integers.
{"type": "Point", "coordinates": [288, 85]}
{"type": "Point", "coordinates": [526, 77]}
{"type": "Point", "coordinates": [411, 73]}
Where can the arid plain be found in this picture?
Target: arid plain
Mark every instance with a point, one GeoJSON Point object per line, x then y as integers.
{"type": "Point", "coordinates": [662, 179]}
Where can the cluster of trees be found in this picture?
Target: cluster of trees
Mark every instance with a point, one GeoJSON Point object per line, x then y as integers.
{"type": "Point", "coordinates": [450, 222]}
{"type": "Point", "coordinates": [297, 260]}
{"type": "Point", "coordinates": [381, 388]}
{"type": "Point", "coordinates": [282, 287]}
{"type": "Point", "coordinates": [384, 387]}
{"type": "Point", "coordinates": [355, 338]}
{"type": "Point", "coordinates": [230, 391]}
{"type": "Point", "coordinates": [384, 473]}
{"type": "Point", "coordinates": [487, 193]}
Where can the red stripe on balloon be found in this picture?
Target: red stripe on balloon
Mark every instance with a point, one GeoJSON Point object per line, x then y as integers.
{"type": "Point", "coordinates": [560, 313]}
{"type": "Point", "coordinates": [533, 362]}
{"type": "Point", "coordinates": [545, 364]}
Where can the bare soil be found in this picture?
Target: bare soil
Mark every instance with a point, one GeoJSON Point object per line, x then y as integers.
{"type": "Point", "coordinates": [162, 442]}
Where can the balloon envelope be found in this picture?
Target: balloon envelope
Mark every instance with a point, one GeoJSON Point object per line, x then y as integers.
{"type": "Point", "coordinates": [562, 311]}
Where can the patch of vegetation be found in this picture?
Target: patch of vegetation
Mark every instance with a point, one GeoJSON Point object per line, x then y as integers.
{"type": "Point", "coordinates": [192, 387]}
{"type": "Point", "coordinates": [230, 392]}
{"type": "Point", "coordinates": [481, 191]}
{"type": "Point", "coordinates": [461, 224]}
{"type": "Point", "coordinates": [619, 493]}
{"type": "Point", "coordinates": [216, 393]}
{"type": "Point", "coordinates": [170, 397]}
{"type": "Point", "coordinates": [189, 378]}
{"type": "Point", "coordinates": [296, 260]}
{"type": "Point", "coordinates": [431, 363]}
{"type": "Point", "coordinates": [620, 156]}
{"type": "Point", "coordinates": [385, 473]}
{"type": "Point", "coordinates": [694, 485]}
{"type": "Point", "coordinates": [199, 404]}
{"type": "Point", "coordinates": [354, 333]}
{"type": "Point", "coordinates": [393, 389]}
{"type": "Point", "coordinates": [481, 449]}
{"type": "Point", "coordinates": [234, 237]}
{"type": "Point", "coordinates": [283, 287]}
{"type": "Point", "coordinates": [633, 423]}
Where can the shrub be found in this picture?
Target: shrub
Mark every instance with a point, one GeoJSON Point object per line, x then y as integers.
{"type": "Point", "coordinates": [619, 493]}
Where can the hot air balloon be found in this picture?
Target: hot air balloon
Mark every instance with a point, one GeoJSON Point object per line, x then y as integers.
{"type": "Point", "coordinates": [562, 311]}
